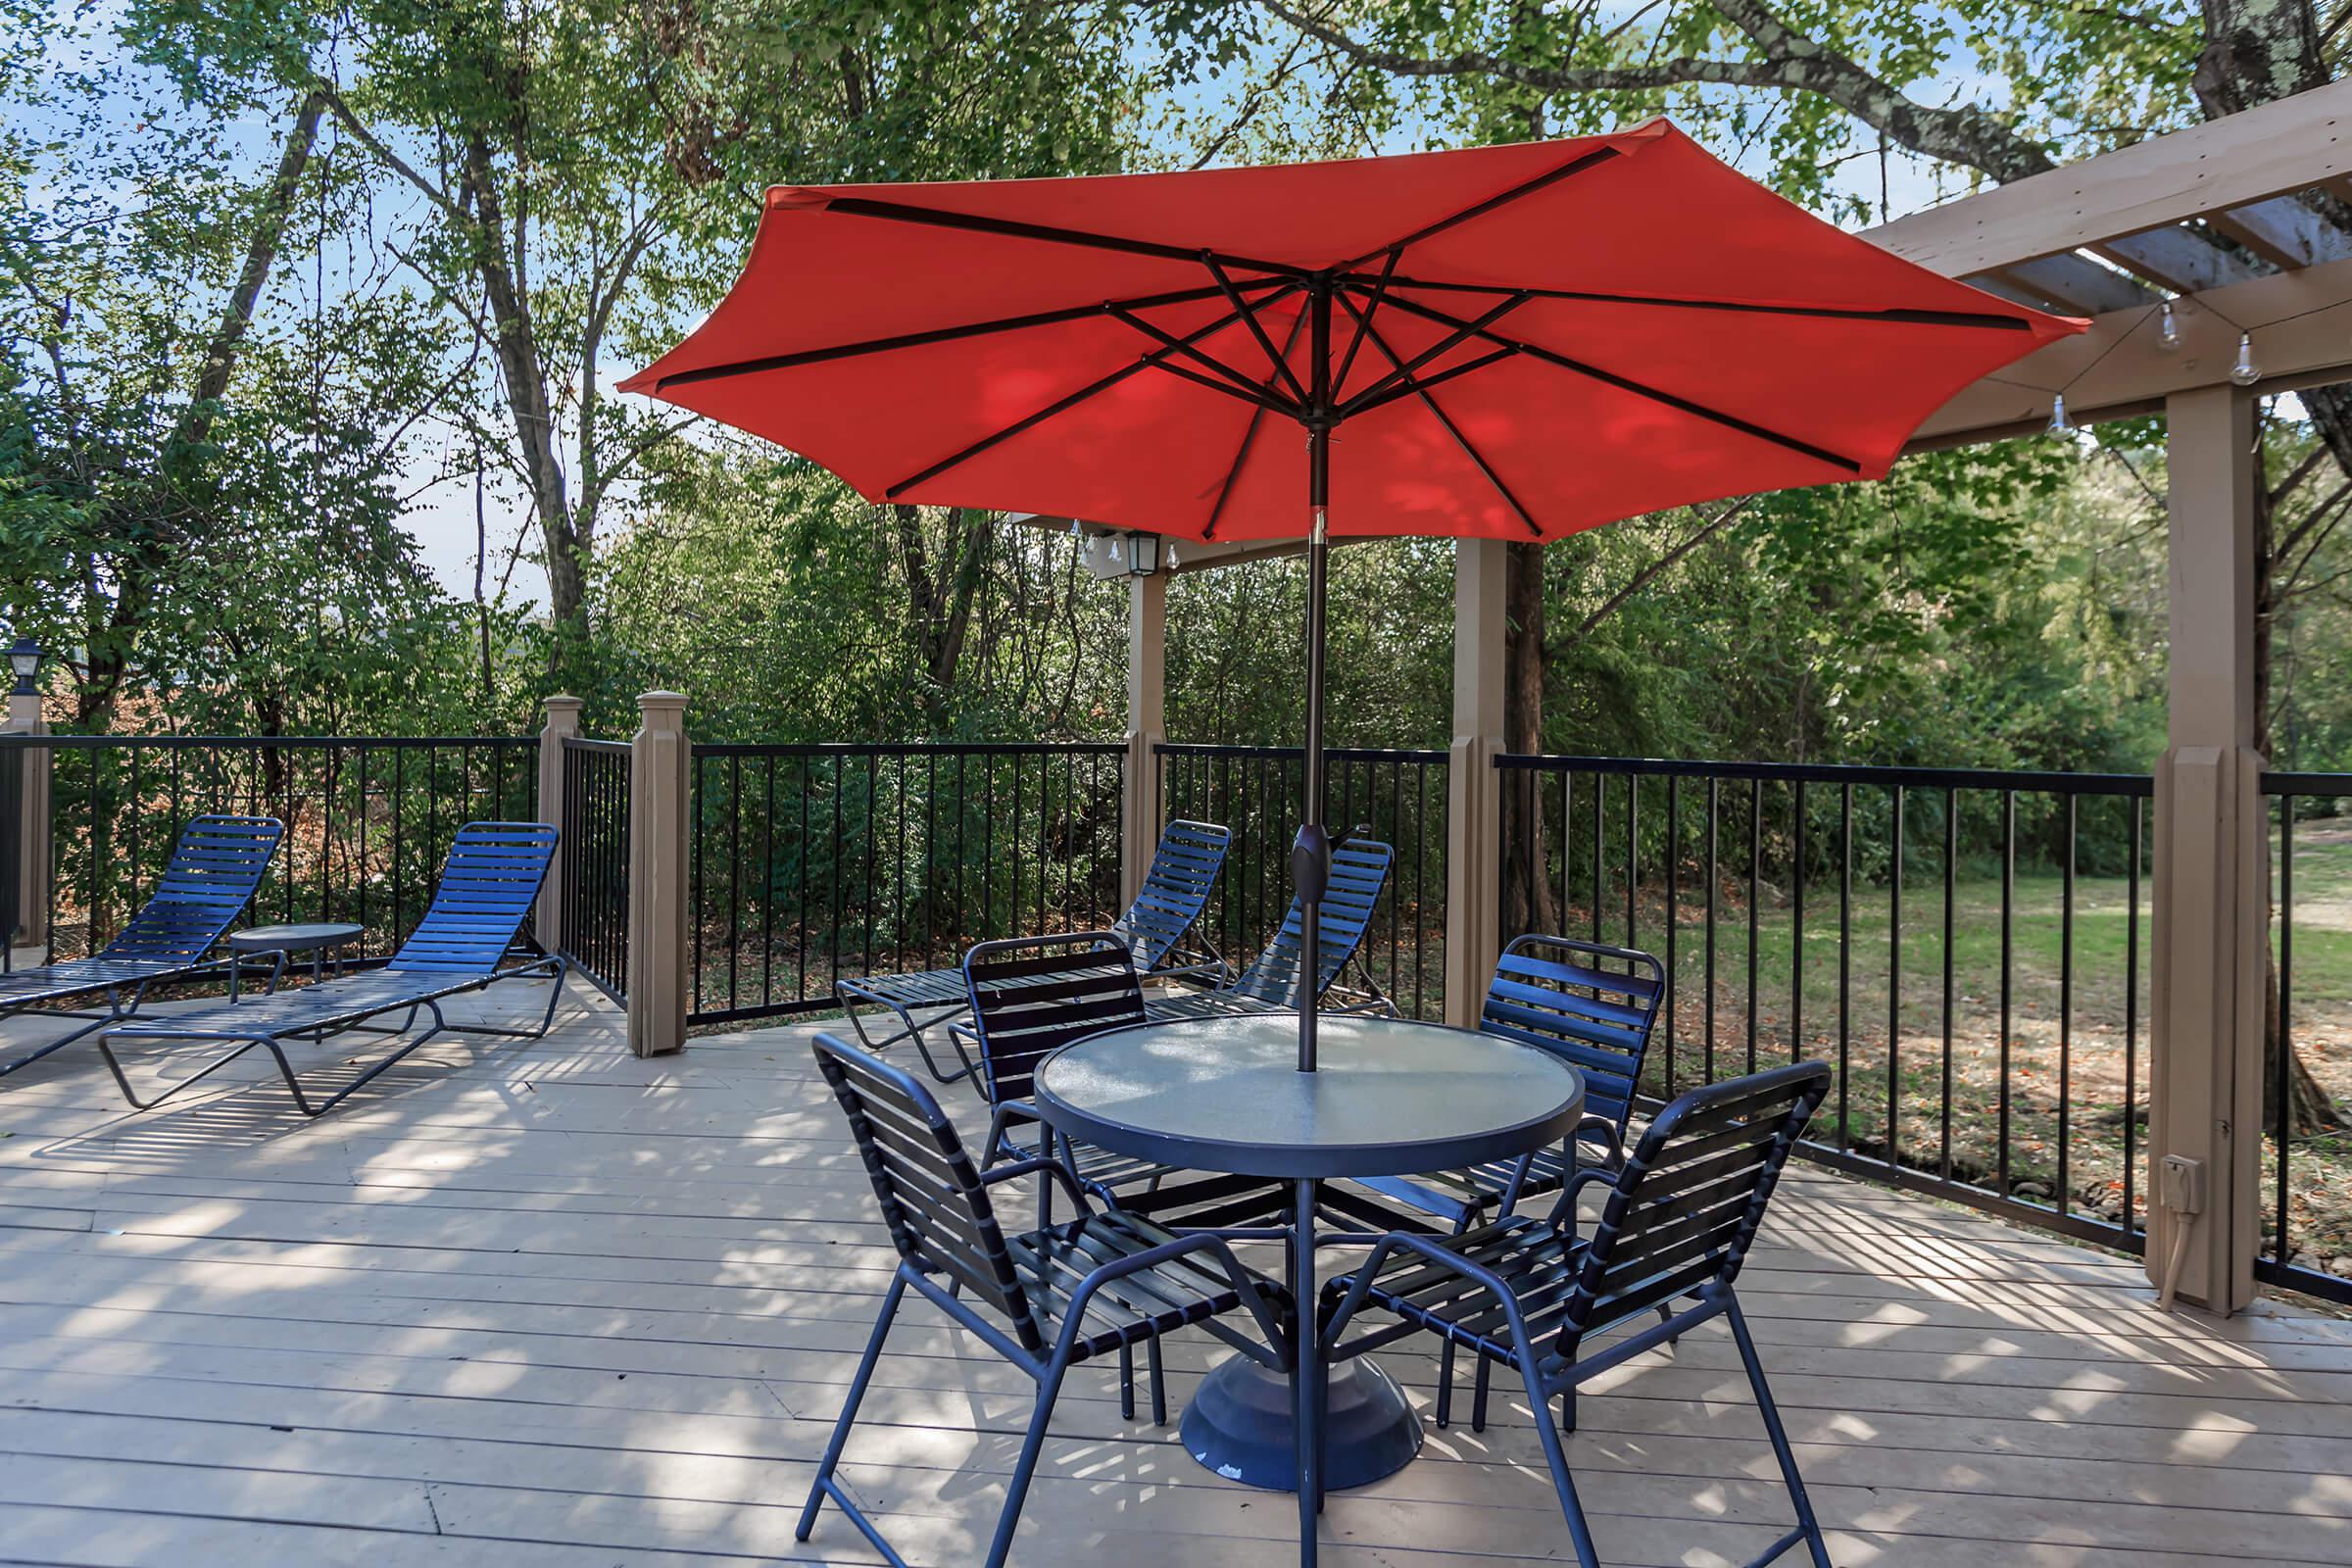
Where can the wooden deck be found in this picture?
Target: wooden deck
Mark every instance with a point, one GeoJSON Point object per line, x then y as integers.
{"type": "Point", "coordinates": [547, 1304]}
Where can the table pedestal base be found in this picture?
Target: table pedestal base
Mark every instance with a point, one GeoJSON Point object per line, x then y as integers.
{"type": "Point", "coordinates": [1239, 1425]}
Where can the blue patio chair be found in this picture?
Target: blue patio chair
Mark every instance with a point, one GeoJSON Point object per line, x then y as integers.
{"type": "Point", "coordinates": [213, 874]}
{"type": "Point", "coordinates": [1031, 995]}
{"type": "Point", "coordinates": [1529, 1297]}
{"type": "Point", "coordinates": [1552, 993]}
{"type": "Point", "coordinates": [1053, 1297]}
{"type": "Point", "coordinates": [1359, 874]}
{"type": "Point", "coordinates": [488, 887]}
{"type": "Point", "coordinates": [1155, 931]}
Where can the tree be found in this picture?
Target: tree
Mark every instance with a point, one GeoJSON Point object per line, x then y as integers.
{"type": "Point", "coordinates": [576, 179]}
{"type": "Point", "coordinates": [1819, 84]}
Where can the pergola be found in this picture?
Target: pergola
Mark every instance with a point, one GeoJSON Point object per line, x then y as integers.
{"type": "Point", "coordinates": [2209, 219]}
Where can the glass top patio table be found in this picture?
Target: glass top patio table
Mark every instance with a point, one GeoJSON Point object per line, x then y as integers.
{"type": "Point", "coordinates": [1393, 1097]}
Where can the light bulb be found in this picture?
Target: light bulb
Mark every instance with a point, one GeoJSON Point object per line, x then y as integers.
{"type": "Point", "coordinates": [2246, 373]}
{"type": "Point", "coordinates": [1075, 531]}
{"type": "Point", "coordinates": [1172, 557]}
{"type": "Point", "coordinates": [2168, 330]}
{"type": "Point", "coordinates": [2058, 424]}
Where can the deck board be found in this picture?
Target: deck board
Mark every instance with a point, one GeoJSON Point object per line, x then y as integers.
{"type": "Point", "coordinates": [539, 1304]}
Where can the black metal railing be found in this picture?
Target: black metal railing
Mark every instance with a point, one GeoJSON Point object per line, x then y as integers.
{"type": "Point", "coordinates": [1966, 948]}
{"type": "Point", "coordinates": [367, 820]}
{"type": "Point", "coordinates": [595, 852]}
{"type": "Point", "coordinates": [2307, 1218]}
{"type": "Point", "coordinates": [811, 863]}
{"type": "Point", "coordinates": [1257, 791]}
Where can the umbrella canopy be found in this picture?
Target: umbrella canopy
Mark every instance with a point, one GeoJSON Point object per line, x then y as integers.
{"type": "Point", "coordinates": [1524, 341]}
{"type": "Point", "coordinates": [1504, 342]}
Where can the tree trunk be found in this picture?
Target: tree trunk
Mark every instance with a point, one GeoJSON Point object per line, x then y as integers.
{"type": "Point", "coordinates": [1527, 901]}
{"type": "Point", "coordinates": [109, 657]}
{"type": "Point", "coordinates": [2308, 1108]}
{"type": "Point", "coordinates": [515, 340]}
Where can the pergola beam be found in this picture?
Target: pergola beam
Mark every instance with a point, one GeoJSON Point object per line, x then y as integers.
{"type": "Point", "coordinates": [2300, 323]}
{"type": "Point", "coordinates": [2275, 150]}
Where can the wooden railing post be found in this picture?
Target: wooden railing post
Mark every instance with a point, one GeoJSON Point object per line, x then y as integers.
{"type": "Point", "coordinates": [2212, 875]}
{"type": "Point", "coordinates": [32, 826]}
{"type": "Point", "coordinates": [1473, 787]}
{"type": "Point", "coordinates": [1147, 728]}
{"type": "Point", "coordinates": [563, 721]}
{"type": "Point", "coordinates": [659, 901]}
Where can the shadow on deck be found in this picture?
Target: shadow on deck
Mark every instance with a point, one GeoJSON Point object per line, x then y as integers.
{"type": "Point", "coordinates": [547, 1303]}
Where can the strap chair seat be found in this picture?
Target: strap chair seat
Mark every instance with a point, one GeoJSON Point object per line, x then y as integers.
{"type": "Point", "coordinates": [488, 887]}
{"type": "Point", "coordinates": [1360, 875]}
{"type": "Point", "coordinates": [1554, 994]}
{"type": "Point", "coordinates": [1031, 995]}
{"type": "Point", "coordinates": [213, 874]}
{"type": "Point", "coordinates": [1156, 933]}
{"type": "Point", "coordinates": [1527, 1295]}
{"type": "Point", "coordinates": [1044, 1300]}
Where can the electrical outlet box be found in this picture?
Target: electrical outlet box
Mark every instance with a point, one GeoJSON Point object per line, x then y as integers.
{"type": "Point", "coordinates": [2180, 1184]}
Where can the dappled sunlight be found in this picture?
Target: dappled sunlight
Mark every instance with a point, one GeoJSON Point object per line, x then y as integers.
{"type": "Point", "coordinates": [553, 1291]}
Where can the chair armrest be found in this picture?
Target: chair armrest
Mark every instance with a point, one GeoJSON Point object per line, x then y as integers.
{"type": "Point", "coordinates": [1437, 1254]}
{"type": "Point", "coordinates": [1030, 1167]}
{"type": "Point", "coordinates": [1245, 1285]}
{"type": "Point", "coordinates": [1594, 1123]}
{"type": "Point", "coordinates": [1010, 1112]}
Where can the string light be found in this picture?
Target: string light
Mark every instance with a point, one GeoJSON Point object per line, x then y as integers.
{"type": "Point", "coordinates": [2246, 373]}
{"type": "Point", "coordinates": [2168, 330]}
{"type": "Point", "coordinates": [2058, 426]}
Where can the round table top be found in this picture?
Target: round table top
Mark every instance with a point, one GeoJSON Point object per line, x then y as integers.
{"type": "Point", "coordinates": [1391, 1097]}
{"type": "Point", "coordinates": [273, 937]}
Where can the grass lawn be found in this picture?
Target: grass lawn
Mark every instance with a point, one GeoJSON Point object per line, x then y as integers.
{"type": "Point", "coordinates": [2076, 1052]}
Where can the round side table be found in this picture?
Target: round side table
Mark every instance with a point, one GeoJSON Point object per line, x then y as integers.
{"type": "Point", "coordinates": [314, 939]}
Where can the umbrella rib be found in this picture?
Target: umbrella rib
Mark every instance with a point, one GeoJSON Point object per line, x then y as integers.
{"type": "Point", "coordinates": [1438, 414]}
{"type": "Point", "coordinates": [1248, 439]}
{"type": "Point", "coordinates": [943, 334]}
{"type": "Point", "coordinates": [1062, 404]}
{"type": "Point", "coordinates": [1403, 371]}
{"type": "Point", "coordinates": [1242, 385]}
{"type": "Point", "coordinates": [1047, 233]}
{"type": "Point", "coordinates": [1624, 383]}
{"type": "Point", "coordinates": [1420, 383]}
{"type": "Point", "coordinates": [1250, 395]}
{"type": "Point", "coordinates": [1575, 165]}
{"type": "Point", "coordinates": [1380, 287]}
{"type": "Point", "coordinates": [1256, 328]}
{"type": "Point", "coordinates": [1898, 315]}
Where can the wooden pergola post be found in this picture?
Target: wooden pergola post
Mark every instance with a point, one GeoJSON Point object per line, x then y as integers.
{"type": "Point", "coordinates": [1473, 787]}
{"type": "Point", "coordinates": [1147, 728]}
{"type": "Point", "coordinates": [562, 723]}
{"type": "Point", "coordinates": [659, 895]}
{"type": "Point", "coordinates": [2212, 874]}
{"type": "Point", "coordinates": [32, 826]}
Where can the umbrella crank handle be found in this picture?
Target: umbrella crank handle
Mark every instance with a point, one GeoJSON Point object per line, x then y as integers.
{"type": "Point", "coordinates": [1311, 857]}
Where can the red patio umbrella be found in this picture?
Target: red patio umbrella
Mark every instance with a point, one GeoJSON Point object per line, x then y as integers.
{"type": "Point", "coordinates": [1504, 342]}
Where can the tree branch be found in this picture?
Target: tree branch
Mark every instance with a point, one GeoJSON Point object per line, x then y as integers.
{"type": "Point", "coordinates": [1665, 563]}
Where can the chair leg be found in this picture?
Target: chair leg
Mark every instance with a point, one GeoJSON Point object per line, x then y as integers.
{"type": "Point", "coordinates": [1478, 1397]}
{"type": "Point", "coordinates": [823, 1485]}
{"type": "Point", "coordinates": [1666, 1315]}
{"type": "Point", "coordinates": [1808, 1527]}
{"type": "Point", "coordinates": [1126, 1381]}
{"type": "Point", "coordinates": [1048, 1389]}
{"type": "Point", "coordinates": [1580, 1532]}
{"type": "Point", "coordinates": [1159, 1383]}
{"type": "Point", "coordinates": [1445, 1385]}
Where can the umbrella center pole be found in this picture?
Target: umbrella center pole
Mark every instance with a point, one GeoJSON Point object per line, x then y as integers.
{"type": "Point", "coordinates": [1310, 854]}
